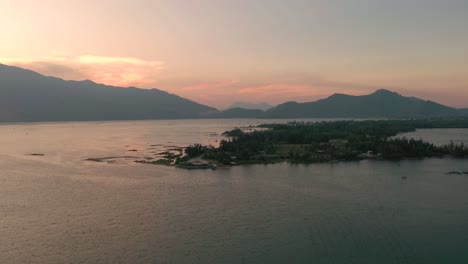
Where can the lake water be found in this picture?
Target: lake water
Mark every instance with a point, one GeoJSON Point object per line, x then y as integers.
{"type": "Point", "coordinates": [60, 208]}
{"type": "Point", "coordinates": [439, 136]}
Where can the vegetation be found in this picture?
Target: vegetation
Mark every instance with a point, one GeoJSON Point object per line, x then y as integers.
{"type": "Point", "coordinates": [304, 142]}
{"type": "Point", "coordinates": [382, 103]}
{"type": "Point", "coordinates": [34, 96]}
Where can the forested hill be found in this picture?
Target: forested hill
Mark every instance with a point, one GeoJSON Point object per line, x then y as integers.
{"type": "Point", "coordinates": [28, 96]}
{"type": "Point", "coordinates": [380, 104]}
{"type": "Point", "coordinates": [250, 106]}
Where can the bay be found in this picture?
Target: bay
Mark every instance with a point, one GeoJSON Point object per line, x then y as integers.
{"type": "Point", "coordinates": [61, 208]}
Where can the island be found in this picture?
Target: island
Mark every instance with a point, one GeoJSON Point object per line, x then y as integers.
{"type": "Point", "coordinates": [313, 142]}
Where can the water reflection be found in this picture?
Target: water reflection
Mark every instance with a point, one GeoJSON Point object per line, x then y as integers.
{"type": "Point", "coordinates": [59, 208]}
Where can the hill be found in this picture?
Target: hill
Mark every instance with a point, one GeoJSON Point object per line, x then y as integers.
{"type": "Point", "coordinates": [252, 106]}
{"type": "Point", "coordinates": [236, 113]}
{"type": "Point", "coordinates": [28, 96]}
{"type": "Point", "coordinates": [380, 104]}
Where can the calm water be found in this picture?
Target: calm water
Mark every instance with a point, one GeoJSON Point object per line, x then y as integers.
{"type": "Point", "coordinates": [440, 136]}
{"type": "Point", "coordinates": [59, 208]}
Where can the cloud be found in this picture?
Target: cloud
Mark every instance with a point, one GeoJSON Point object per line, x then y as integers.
{"type": "Point", "coordinates": [271, 89]}
{"type": "Point", "coordinates": [118, 71]}
{"type": "Point", "coordinates": [92, 59]}
{"type": "Point", "coordinates": [206, 87]}
{"type": "Point", "coordinates": [285, 89]}
{"type": "Point", "coordinates": [213, 90]}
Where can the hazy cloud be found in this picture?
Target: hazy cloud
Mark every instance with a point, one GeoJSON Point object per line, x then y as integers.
{"type": "Point", "coordinates": [206, 87]}
{"type": "Point", "coordinates": [119, 71]}
{"type": "Point", "coordinates": [271, 89]}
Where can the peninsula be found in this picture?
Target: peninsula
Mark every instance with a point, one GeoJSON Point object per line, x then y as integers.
{"type": "Point", "coordinates": [312, 142]}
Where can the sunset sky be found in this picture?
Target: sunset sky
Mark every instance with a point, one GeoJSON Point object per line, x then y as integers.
{"type": "Point", "coordinates": [218, 52]}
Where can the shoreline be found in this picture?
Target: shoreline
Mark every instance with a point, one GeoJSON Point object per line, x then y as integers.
{"type": "Point", "coordinates": [318, 142]}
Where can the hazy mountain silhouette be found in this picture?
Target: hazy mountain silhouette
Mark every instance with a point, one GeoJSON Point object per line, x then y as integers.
{"type": "Point", "coordinates": [382, 103]}
{"type": "Point", "coordinates": [236, 113]}
{"type": "Point", "coordinates": [244, 105]}
{"type": "Point", "coordinates": [28, 96]}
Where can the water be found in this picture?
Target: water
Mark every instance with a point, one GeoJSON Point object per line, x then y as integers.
{"type": "Point", "coordinates": [439, 136]}
{"type": "Point", "coordinates": [60, 208]}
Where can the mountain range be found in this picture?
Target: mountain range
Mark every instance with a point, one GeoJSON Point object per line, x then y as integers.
{"type": "Point", "coordinates": [381, 103]}
{"type": "Point", "coordinates": [260, 106]}
{"type": "Point", "coordinates": [26, 96]}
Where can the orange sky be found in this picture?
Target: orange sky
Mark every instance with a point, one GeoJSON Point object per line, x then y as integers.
{"type": "Point", "coordinates": [220, 52]}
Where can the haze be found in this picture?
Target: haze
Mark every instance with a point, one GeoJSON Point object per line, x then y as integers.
{"type": "Point", "coordinates": [220, 52]}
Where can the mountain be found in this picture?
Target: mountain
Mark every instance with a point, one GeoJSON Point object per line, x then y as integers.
{"type": "Point", "coordinates": [28, 96]}
{"type": "Point", "coordinates": [244, 105]}
{"type": "Point", "coordinates": [382, 103]}
{"type": "Point", "coordinates": [237, 113]}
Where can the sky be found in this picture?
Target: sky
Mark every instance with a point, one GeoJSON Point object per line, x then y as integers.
{"type": "Point", "coordinates": [218, 52]}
